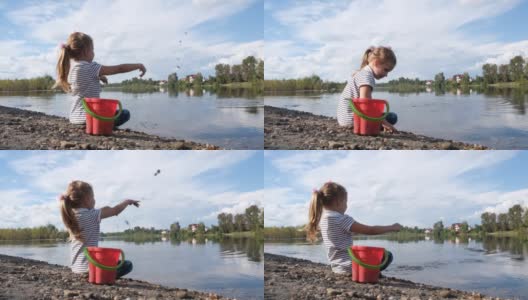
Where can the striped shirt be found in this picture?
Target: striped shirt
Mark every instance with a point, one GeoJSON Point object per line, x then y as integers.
{"type": "Point", "coordinates": [89, 220]}
{"type": "Point", "coordinates": [84, 81]}
{"type": "Point", "coordinates": [337, 238]}
{"type": "Point", "coordinates": [351, 91]}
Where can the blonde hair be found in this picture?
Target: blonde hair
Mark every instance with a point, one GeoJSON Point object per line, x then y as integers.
{"type": "Point", "coordinates": [325, 196]}
{"type": "Point", "coordinates": [384, 54]}
{"type": "Point", "coordinates": [76, 46]}
{"type": "Point", "coordinates": [74, 197]}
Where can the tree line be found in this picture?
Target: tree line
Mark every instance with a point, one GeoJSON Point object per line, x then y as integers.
{"type": "Point", "coordinates": [250, 70]}
{"type": "Point", "coordinates": [310, 83]}
{"type": "Point", "coordinates": [515, 219]}
{"type": "Point", "coordinates": [23, 85]}
{"type": "Point", "coordinates": [252, 220]}
{"type": "Point", "coordinates": [48, 232]}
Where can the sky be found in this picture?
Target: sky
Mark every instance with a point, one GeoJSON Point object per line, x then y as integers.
{"type": "Point", "coordinates": [183, 36]}
{"type": "Point", "coordinates": [413, 188]}
{"type": "Point", "coordinates": [192, 186]}
{"type": "Point", "coordinates": [328, 38]}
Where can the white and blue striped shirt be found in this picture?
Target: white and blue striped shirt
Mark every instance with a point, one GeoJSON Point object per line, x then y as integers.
{"type": "Point", "coordinates": [351, 91]}
{"type": "Point", "coordinates": [337, 238]}
{"type": "Point", "coordinates": [89, 220]}
{"type": "Point", "coordinates": [84, 81]}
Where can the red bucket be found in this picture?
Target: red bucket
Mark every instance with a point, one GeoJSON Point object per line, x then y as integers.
{"type": "Point", "coordinates": [368, 115]}
{"type": "Point", "coordinates": [100, 115]}
{"type": "Point", "coordinates": [366, 263]}
{"type": "Point", "coordinates": [103, 264]}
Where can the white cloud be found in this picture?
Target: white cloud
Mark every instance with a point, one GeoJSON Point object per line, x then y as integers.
{"type": "Point", "coordinates": [190, 185]}
{"type": "Point", "coordinates": [165, 35]}
{"type": "Point", "coordinates": [427, 37]}
{"type": "Point", "coordinates": [415, 187]}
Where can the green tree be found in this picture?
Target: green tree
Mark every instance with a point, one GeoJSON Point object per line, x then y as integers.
{"type": "Point", "coordinates": [240, 222]}
{"type": "Point", "coordinates": [200, 229]}
{"type": "Point", "coordinates": [464, 227]}
{"type": "Point", "coordinates": [516, 68]}
{"type": "Point", "coordinates": [515, 216]}
{"type": "Point", "coordinates": [260, 70]}
{"type": "Point", "coordinates": [465, 79]}
{"type": "Point", "coordinates": [438, 228]}
{"type": "Point", "coordinates": [502, 222]}
{"type": "Point", "coordinates": [489, 73]}
{"type": "Point", "coordinates": [249, 69]}
{"type": "Point", "coordinates": [439, 81]}
{"type": "Point", "coordinates": [172, 81]}
{"type": "Point", "coordinates": [236, 73]}
{"type": "Point", "coordinates": [252, 217]}
{"type": "Point", "coordinates": [504, 73]}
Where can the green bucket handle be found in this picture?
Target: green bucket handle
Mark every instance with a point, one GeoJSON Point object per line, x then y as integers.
{"type": "Point", "coordinates": [106, 268]}
{"type": "Point", "coordinates": [101, 118]}
{"type": "Point", "coordinates": [362, 115]}
{"type": "Point", "coordinates": [365, 265]}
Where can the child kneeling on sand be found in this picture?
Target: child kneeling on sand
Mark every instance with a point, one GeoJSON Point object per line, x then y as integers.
{"type": "Point", "coordinates": [377, 63]}
{"type": "Point", "coordinates": [327, 211]}
{"type": "Point", "coordinates": [82, 221]}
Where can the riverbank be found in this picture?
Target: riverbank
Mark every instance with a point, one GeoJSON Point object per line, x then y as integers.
{"type": "Point", "coordinates": [23, 129]}
{"type": "Point", "coordinates": [290, 129]}
{"type": "Point", "coordinates": [32, 279]}
{"type": "Point", "coordinates": [292, 278]}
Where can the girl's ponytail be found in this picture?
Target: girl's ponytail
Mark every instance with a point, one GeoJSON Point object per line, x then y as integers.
{"type": "Point", "coordinates": [365, 60]}
{"type": "Point", "coordinates": [75, 196]}
{"type": "Point", "coordinates": [68, 217]}
{"type": "Point", "coordinates": [314, 215]}
{"type": "Point", "coordinates": [63, 68]}
{"type": "Point", "coordinates": [384, 54]}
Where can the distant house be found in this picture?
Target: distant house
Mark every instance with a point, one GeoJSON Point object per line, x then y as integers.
{"type": "Point", "coordinates": [193, 227]}
{"type": "Point", "coordinates": [428, 231]}
{"type": "Point", "coordinates": [457, 78]}
{"type": "Point", "coordinates": [164, 232]}
{"type": "Point", "coordinates": [456, 227]}
{"type": "Point", "coordinates": [428, 82]}
{"type": "Point", "coordinates": [162, 82]}
{"type": "Point", "coordinates": [190, 78]}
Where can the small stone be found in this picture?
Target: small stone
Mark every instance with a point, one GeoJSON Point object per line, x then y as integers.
{"type": "Point", "coordinates": [68, 293]}
{"type": "Point", "coordinates": [66, 144]}
{"type": "Point", "coordinates": [332, 292]}
{"type": "Point", "coordinates": [446, 294]}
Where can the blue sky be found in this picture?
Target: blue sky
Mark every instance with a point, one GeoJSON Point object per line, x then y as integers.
{"type": "Point", "coordinates": [328, 38]}
{"type": "Point", "coordinates": [414, 188]}
{"type": "Point", "coordinates": [166, 36]}
{"type": "Point", "coordinates": [191, 187]}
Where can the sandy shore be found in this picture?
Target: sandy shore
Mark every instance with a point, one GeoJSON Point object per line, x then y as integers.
{"type": "Point", "coordinates": [23, 129]}
{"type": "Point", "coordinates": [290, 129]}
{"type": "Point", "coordinates": [31, 279]}
{"type": "Point", "coordinates": [292, 278]}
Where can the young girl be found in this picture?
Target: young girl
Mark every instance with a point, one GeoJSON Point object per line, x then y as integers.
{"type": "Point", "coordinates": [82, 222]}
{"type": "Point", "coordinates": [377, 63]}
{"type": "Point", "coordinates": [327, 210]}
{"type": "Point", "coordinates": [81, 79]}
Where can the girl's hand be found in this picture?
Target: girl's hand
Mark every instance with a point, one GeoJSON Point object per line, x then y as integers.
{"type": "Point", "coordinates": [143, 70]}
{"type": "Point", "coordinates": [132, 202]}
{"type": "Point", "coordinates": [103, 79]}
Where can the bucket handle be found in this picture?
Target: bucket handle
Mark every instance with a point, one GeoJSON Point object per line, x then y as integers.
{"type": "Point", "coordinates": [101, 118]}
{"type": "Point", "coordinates": [362, 115]}
{"type": "Point", "coordinates": [100, 266]}
{"type": "Point", "coordinates": [365, 265]}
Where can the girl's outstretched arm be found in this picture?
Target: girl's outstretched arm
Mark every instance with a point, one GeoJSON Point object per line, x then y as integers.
{"type": "Point", "coordinates": [124, 68]}
{"type": "Point", "coordinates": [365, 92]}
{"type": "Point", "coordinates": [108, 211]}
{"type": "Point", "coordinates": [371, 230]}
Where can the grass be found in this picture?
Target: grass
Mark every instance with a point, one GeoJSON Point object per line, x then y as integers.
{"type": "Point", "coordinates": [241, 234]}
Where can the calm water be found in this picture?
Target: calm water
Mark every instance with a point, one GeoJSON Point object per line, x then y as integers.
{"type": "Point", "coordinates": [232, 119]}
{"type": "Point", "coordinates": [497, 267]}
{"type": "Point", "coordinates": [497, 118]}
{"type": "Point", "coordinates": [233, 267]}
